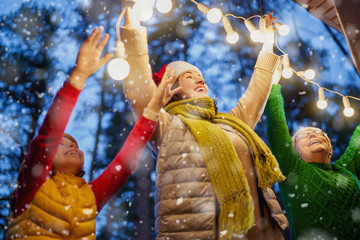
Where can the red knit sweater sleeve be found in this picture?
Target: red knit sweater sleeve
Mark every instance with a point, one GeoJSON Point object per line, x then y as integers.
{"type": "Point", "coordinates": [38, 161]}
{"type": "Point", "coordinates": [125, 162]}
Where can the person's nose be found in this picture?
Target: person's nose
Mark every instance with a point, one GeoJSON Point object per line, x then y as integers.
{"type": "Point", "coordinates": [312, 135]}
{"type": "Point", "coordinates": [200, 80]}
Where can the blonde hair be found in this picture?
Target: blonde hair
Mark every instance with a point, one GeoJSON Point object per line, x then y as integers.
{"type": "Point", "coordinates": [293, 137]}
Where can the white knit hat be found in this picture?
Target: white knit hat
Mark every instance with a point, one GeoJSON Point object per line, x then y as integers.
{"type": "Point", "coordinates": [179, 67]}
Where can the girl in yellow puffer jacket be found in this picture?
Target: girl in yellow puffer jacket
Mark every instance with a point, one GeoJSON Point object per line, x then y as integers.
{"type": "Point", "coordinates": [52, 200]}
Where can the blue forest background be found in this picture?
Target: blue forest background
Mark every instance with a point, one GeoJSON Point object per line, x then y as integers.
{"type": "Point", "coordinates": [39, 41]}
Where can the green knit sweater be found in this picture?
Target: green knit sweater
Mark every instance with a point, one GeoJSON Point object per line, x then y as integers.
{"type": "Point", "coordinates": [322, 201]}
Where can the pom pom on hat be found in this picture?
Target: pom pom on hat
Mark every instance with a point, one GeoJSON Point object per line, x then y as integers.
{"type": "Point", "coordinates": [179, 67]}
{"type": "Point", "coordinates": [159, 75]}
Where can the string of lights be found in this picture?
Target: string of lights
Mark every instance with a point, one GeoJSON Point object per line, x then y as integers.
{"type": "Point", "coordinates": [142, 10]}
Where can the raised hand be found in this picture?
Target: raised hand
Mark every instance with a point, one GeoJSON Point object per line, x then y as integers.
{"type": "Point", "coordinates": [164, 91]}
{"type": "Point", "coordinates": [89, 58]}
{"type": "Point", "coordinates": [269, 32]}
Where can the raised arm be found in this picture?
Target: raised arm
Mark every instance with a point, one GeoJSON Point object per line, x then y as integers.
{"type": "Point", "coordinates": [116, 174]}
{"type": "Point", "coordinates": [138, 86]}
{"type": "Point", "coordinates": [351, 157]}
{"type": "Point", "coordinates": [278, 133]}
{"type": "Point", "coordinates": [38, 161]}
{"type": "Point", "coordinates": [251, 105]}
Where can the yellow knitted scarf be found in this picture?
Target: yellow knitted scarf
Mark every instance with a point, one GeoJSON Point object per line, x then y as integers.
{"type": "Point", "coordinates": [224, 166]}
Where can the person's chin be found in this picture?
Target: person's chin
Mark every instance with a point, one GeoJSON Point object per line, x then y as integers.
{"type": "Point", "coordinates": [201, 95]}
{"type": "Point", "coordinates": [318, 148]}
{"type": "Point", "coordinates": [75, 160]}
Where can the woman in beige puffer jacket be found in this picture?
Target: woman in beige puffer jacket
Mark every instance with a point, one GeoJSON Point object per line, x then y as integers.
{"type": "Point", "coordinates": [186, 204]}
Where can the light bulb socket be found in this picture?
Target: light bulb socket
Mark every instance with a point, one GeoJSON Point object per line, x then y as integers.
{"type": "Point", "coordinates": [225, 21]}
{"type": "Point", "coordinates": [250, 26]}
{"type": "Point", "coordinates": [346, 102]}
{"type": "Point", "coordinates": [286, 61]}
{"type": "Point", "coordinates": [128, 5]}
{"type": "Point", "coordinates": [203, 8]}
{"type": "Point", "coordinates": [120, 49]}
{"type": "Point", "coordinates": [321, 94]}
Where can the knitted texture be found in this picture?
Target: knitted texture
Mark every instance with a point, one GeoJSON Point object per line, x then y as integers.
{"type": "Point", "coordinates": [226, 172]}
{"type": "Point", "coordinates": [322, 200]}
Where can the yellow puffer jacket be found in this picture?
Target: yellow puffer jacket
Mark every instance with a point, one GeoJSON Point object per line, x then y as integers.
{"type": "Point", "coordinates": [63, 208]}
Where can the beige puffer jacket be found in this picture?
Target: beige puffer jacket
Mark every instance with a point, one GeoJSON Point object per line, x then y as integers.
{"type": "Point", "coordinates": [186, 206]}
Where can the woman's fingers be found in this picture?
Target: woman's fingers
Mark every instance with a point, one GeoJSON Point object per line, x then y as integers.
{"type": "Point", "coordinates": [168, 78]}
{"type": "Point", "coordinates": [164, 91]}
{"type": "Point", "coordinates": [105, 59]}
{"type": "Point", "coordinates": [174, 91]}
{"type": "Point", "coordinates": [92, 35]}
{"type": "Point", "coordinates": [103, 42]}
{"type": "Point", "coordinates": [95, 35]}
{"type": "Point", "coordinates": [172, 77]}
{"type": "Point", "coordinates": [168, 91]}
{"type": "Point", "coordinates": [166, 73]}
{"type": "Point", "coordinates": [98, 35]}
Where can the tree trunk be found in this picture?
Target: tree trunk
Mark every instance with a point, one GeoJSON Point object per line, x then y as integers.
{"type": "Point", "coordinates": [143, 220]}
{"type": "Point", "coordinates": [98, 130]}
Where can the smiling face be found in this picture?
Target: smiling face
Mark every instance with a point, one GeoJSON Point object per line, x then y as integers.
{"type": "Point", "coordinates": [69, 159]}
{"type": "Point", "coordinates": [193, 85]}
{"type": "Point", "coordinates": [312, 145]}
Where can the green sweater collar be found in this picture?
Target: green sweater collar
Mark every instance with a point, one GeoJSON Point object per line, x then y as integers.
{"type": "Point", "coordinates": [324, 166]}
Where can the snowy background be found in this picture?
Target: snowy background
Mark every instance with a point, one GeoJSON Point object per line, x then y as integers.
{"type": "Point", "coordinates": [39, 41]}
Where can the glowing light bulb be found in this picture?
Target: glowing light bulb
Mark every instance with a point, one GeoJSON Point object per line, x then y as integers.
{"type": "Point", "coordinates": [309, 74]}
{"type": "Point", "coordinates": [143, 9]}
{"type": "Point", "coordinates": [163, 6]}
{"type": "Point", "coordinates": [256, 36]}
{"type": "Point", "coordinates": [284, 30]}
{"type": "Point", "coordinates": [118, 68]}
{"type": "Point", "coordinates": [214, 15]}
{"type": "Point", "coordinates": [348, 110]}
{"type": "Point", "coordinates": [321, 104]}
{"type": "Point", "coordinates": [287, 73]}
{"type": "Point", "coordinates": [232, 37]}
{"type": "Point", "coordinates": [146, 14]}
